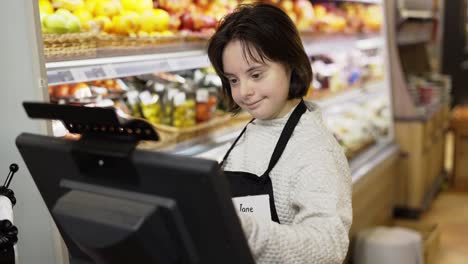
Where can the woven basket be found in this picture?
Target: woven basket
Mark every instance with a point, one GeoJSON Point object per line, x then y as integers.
{"type": "Point", "coordinates": [121, 41]}
{"type": "Point", "coordinates": [182, 134]}
{"type": "Point", "coordinates": [197, 37]}
{"type": "Point", "coordinates": [70, 45]}
{"type": "Point", "coordinates": [170, 136]}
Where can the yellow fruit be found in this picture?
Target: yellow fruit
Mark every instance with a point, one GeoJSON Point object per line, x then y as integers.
{"type": "Point", "coordinates": [139, 6]}
{"type": "Point", "coordinates": [162, 19]}
{"type": "Point", "coordinates": [90, 5]}
{"type": "Point", "coordinates": [71, 5]}
{"type": "Point", "coordinates": [45, 7]}
{"type": "Point", "coordinates": [320, 11]}
{"type": "Point", "coordinates": [127, 24]}
{"type": "Point", "coordinates": [149, 21]}
{"type": "Point", "coordinates": [107, 8]}
{"type": "Point", "coordinates": [103, 23]}
{"type": "Point", "coordinates": [85, 18]}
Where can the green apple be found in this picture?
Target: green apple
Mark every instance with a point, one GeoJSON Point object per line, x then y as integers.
{"type": "Point", "coordinates": [73, 24]}
{"type": "Point", "coordinates": [55, 23]}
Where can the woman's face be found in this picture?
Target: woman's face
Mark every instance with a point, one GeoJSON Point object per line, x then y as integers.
{"type": "Point", "coordinates": [259, 88]}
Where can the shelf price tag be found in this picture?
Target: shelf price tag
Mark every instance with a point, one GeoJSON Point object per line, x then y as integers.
{"type": "Point", "coordinates": [94, 73]}
{"type": "Point", "coordinates": [188, 63]}
{"type": "Point", "coordinates": [62, 76]}
{"type": "Point", "coordinates": [109, 71]}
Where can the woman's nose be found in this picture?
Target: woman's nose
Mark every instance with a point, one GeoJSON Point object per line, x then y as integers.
{"type": "Point", "coordinates": [246, 90]}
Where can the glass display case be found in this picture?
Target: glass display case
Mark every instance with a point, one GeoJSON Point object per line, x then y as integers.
{"type": "Point", "coordinates": [147, 59]}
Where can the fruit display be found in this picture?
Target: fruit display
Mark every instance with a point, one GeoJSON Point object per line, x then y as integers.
{"type": "Point", "coordinates": [82, 90]}
{"type": "Point", "coordinates": [121, 17]}
{"type": "Point", "coordinates": [164, 18]}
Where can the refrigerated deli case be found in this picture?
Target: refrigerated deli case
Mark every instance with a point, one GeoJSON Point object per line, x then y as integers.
{"type": "Point", "coordinates": [159, 76]}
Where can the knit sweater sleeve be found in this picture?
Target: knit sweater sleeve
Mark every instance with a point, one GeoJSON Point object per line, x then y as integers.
{"type": "Point", "coordinates": [321, 199]}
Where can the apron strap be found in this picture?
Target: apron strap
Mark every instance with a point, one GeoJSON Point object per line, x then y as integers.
{"type": "Point", "coordinates": [234, 144]}
{"type": "Point", "coordinates": [286, 135]}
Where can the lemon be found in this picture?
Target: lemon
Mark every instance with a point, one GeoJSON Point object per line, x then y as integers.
{"type": "Point", "coordinates": [71, 5]}
{"type": "Point", "coordinates": [127, 24]}
{"type": "Point", "coordinates": [148, 21]}
{"type": "Point", "coordinates": [45, 7]}
{"type": "Point", "coordinates": [85, 17]}
{"type": "Point", "coordinates": [162, 19]}
{"type": "Point", "coordinates": [104, 23]}
{"type": "Point", "coordinates": [107, 8]}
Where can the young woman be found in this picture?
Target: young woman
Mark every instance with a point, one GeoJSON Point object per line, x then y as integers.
{"type": "Point", "coordinates": [285, 152]}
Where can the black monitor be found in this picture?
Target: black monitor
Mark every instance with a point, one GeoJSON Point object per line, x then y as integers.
{"type": "Point", "coordinates": [114, 203]}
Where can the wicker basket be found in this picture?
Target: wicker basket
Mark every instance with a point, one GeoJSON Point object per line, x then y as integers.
{"type": "Point", "coordinates": [170, 136]}
{"type": "Point", "coordinates": [111, 42]}
{"type": "Point", "coordinates": [197, 37]}
{"type": "Point", "coordinates": [182, 134]}
{"type": "Point", "coordinates": [70, 45]}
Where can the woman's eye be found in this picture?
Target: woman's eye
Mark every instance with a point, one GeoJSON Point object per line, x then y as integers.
{"type": "Point", "coordinates": [233, 81]}
{"type": "Point", "coordinates": [256, 75]}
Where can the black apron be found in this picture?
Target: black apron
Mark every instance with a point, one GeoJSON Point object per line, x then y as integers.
{"type": "Point", "coordinates": [245, 183]}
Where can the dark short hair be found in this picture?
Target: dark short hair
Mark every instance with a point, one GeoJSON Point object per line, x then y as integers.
{"type": "Point", "coordinates": [265, 32]}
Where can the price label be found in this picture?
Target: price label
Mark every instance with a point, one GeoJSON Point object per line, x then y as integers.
{"type": "Point", "coordinates": [189, 63]}
{"type": "Point", "coordinates": [109, 71]}
{"type": "Point", "coordinates": [95, 73]}
{"type": "Point", "coordinates": [56, 77]}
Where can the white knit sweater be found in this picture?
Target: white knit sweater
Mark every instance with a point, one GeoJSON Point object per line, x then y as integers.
{"type": "Point", "coordinates": [312, 190]}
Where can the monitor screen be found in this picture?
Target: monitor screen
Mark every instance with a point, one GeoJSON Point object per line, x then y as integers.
{"type": "Point", "coordinates": [116, 204]}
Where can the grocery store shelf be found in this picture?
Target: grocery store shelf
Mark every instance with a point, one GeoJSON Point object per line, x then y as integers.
{"type": "Point", "coordinates": [115, 67]}
{"type": "Point", "coordinates": [323, 45]}
{"type": "Point", "coordinates": [351, 95]}
{"type": "Point", "coordinates": [74, 71]}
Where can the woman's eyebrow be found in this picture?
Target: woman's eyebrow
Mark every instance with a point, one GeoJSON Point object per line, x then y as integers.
{"type": "Point", "coordinates": [254, 68]}
{"type": "Point", "coordinates": [251, 69]}
{"type": "Point", "coordinates": [227, 74]}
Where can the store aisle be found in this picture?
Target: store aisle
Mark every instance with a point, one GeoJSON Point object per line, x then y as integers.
{"type": "Point", "coordinates": [450, 211]}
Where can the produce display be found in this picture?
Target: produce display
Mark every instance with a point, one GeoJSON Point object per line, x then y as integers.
{"type": "Point", "coordinates": [339, 71]}
{"type": "Point", "coordinates": [360, 124]}
{"type": "Point", "coordinates": [190, 99]}
{"type": "Point", "coordinates": [162, 17]}
{"type": "Point", "coordinates": [187, 98]}
{"type": "Point", "coordinates": [180, 99]}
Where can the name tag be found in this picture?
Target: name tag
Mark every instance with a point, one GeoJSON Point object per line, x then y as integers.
{"type": "Point", "coordinates": [255, 205]}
